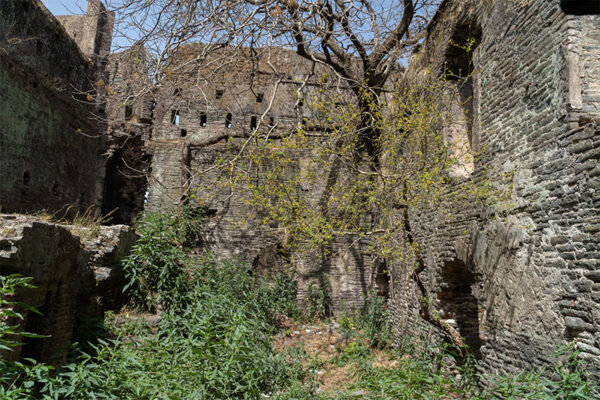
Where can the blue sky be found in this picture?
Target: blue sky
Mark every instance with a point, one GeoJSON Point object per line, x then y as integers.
{"type": "Point", "coordinates": [65, 7]}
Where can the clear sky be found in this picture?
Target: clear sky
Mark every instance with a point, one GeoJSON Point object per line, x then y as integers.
{"type": "Point", "coordinates": [66, 7]}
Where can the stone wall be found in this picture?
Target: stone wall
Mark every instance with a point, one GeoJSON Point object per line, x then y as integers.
{"type": "Point", "coordinates": [50, 145]}
{"type": "Point", "coordinates": [92, 31]}
{"type": "Point", "coordinates": [77, 273]}
{"type": "Point", "coordinates": [519, 278]}
{"type": "Point", "coordinates": [204, 114]}
{"type": "Point", "coordinates": [129, 110]}
{"type": "Point", "coordinates": [52, 162]}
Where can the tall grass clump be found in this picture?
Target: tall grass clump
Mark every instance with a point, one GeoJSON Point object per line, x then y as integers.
{"type": "Point", "coordinates": [156, 267]}
{"type": "Point", "coordinates": [374, 321]}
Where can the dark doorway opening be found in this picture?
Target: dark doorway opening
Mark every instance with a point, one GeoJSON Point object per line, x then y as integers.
{"type": "Point", "coordinates": [458, 305]}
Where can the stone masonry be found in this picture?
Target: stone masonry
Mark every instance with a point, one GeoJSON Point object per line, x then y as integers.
{"type": "Point", "coordinates": [520, 278]}
{"type": "Point", "coordinates": [51, 145]}
{"type": "Point", "coordinates": [77, 273]}
{"type": "Point", "coordinates": [52, 162]}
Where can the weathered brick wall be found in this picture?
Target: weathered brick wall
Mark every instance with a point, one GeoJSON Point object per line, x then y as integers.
{"type": "Point", "coordinates": [92, 31]}
{"type": "Point", "coordinates": [531, 261]}
{"type": "Point", "coordinates": [203, 115]}
{"type": "Point", "coordinates": [50, 148]}
{"type": "Point", "coordinates": [129, 113]}
{"type": "Point", "coordinates": [77, 274]}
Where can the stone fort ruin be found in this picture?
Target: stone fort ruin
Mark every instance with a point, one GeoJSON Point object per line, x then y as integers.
{"type": "Point", "coordinates": [515, 279]}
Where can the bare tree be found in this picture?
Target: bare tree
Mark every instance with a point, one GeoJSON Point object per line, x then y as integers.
{"type": "Point", "coordinates": [363, 42]}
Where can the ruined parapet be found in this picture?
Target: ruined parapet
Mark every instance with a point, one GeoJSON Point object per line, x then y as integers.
{"type": "Point", "coordinates": [92, 32]}
{"type": "Point", "coordinates": [517, 278]}
{"type": "Point", "coordinates": [77, 273]}
{"type": "Point", "coordinates": [51, 141]}
{"type": "Point", "coordinates": [129, 110]}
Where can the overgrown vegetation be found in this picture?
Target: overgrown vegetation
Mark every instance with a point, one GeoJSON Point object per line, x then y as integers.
{"type": "Point", "coordinates": [18, 378]}
{"type": "Point", "coordinates": [159, 261]}
{"type": "Point", "coordinates": [215, 341]}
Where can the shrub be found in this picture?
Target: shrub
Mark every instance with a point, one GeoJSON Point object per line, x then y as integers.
{"type": "Point", "coordinates": [374, 321]}
{"type": "Point", "coordinates": [317, 300]}
{"type": "Point", "coordinates": [155, 266]}
{"type": "Point", "coordinates": [18, 379]}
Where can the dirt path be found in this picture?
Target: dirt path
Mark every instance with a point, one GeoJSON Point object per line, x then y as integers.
{"type": "Point", "coordinates": [325, 346]}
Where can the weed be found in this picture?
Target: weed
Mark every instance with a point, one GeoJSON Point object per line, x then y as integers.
{"type": "Point", "coordinates": [566, 382]}
{"type": "Point", "coordinates": [317, 300]}
{"type": "Point", "coordinates": [374, 321]}
{"type": "Point", "coordinates": [18, 379]}
{"type": "Point", "coordinates": [155, 267]}
{"type": "Point", "coordinates": [284, 289]}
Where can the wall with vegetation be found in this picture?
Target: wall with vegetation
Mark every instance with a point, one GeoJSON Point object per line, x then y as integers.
{"type": "Point", "coordinates": [204, 118]}
{"type": "Point", "coordinates": [519, 277]}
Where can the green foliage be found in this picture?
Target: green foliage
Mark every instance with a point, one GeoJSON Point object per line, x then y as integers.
{"type": "Point", "coordinates": [347, 326]}
{"type": "Point", "coordinates": [284, 290]}
{"type": "Point", "coordinates": [214, 342]}
{"type": "Point", "coordinates": [426, 375]}
{"type": "Point", "coordinates": [18, 379]}
{"type": "Point", "coordinates": [155, 267]}
{"type": "Point", "coordinates": [374, 321]}
{"type": "Point", "coordinates": [567, 382]}
{"type": "Point", "coordinates": [356, 351]}
{"type": "Point", "coordinates": [359, 177]}
{"type": "Point", "coordinates": [317, 300]}
{"type": "Point", "coordinates": [412, 378]}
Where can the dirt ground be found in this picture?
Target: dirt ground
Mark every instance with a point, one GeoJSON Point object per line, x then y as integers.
{"type": "Point", "coordinates": [323, 342]}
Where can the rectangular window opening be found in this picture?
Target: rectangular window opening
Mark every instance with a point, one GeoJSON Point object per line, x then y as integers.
{"type": "Point", "coordinates": [183, 132]}
{"type": "Point", "coordinates": [228, 120]}
{"type": "Point", "coordinates": [219, 93]}
{"type": "Point", "coordinates": [253, 122]}
{"type": "Point", "coordinates": [175, 117]}
{"type": "Point", "coordinates": [259, 97]}
{"type": "Point", "coordinates": [203, 120]}
{"type": "Point", "coordinates": [128, 112]}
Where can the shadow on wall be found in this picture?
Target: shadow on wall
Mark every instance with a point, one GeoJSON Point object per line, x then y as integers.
{"type": "Point", "coordinates": [458, 305]}
{"type": "Point", "coordinates": [459, 69]}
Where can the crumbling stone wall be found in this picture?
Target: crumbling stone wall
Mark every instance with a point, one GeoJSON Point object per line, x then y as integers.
{"type": "Point", "coordinates": [129, 110]}
{"type": "Point", "coordinates": [77, 273]}
{"type": "Point", "coordinates": [92, 31]}
{"type": "Point", "coordinates": [528, 264]}
{"type": "Point", "coordinates": [50, 145]}
{"type": "Point", "coordinates": [52, 157]}
{"type": "Point", "coordinates": [204, 114]}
